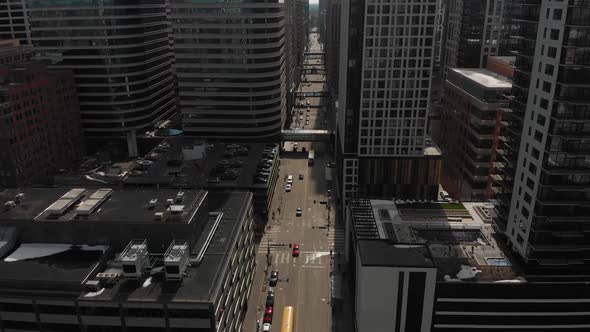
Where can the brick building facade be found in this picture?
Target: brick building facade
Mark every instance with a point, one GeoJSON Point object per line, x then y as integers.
{"type": "Point", "coordinates": [39, 123]}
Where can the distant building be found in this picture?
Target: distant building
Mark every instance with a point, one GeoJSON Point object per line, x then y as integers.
{"type": "Point", "coordinates": [331, 40]}
{"type": "Point", "coordinates": [11, 51]}
{"type": "Point", "coordinates": [14, 21]}
{"type": "Point", "coordinates": [296, 37]}
{"type": "Point", "coordinates": [472, 100]}
{"type": "Point", "coordinates": [39, 121]}
{"type": "Point", "coordinates": [441, 267]}
{"type": "Point", "coordinates": [120, 55]}
{"type": "Point", "coordinates": [472, 32]}
{"type": "Point", "coordinates": [231, 64]}
{"type": "Point", "coordinates": [106, 260]}
{"type": "Point", "coordinates": [385, 74]}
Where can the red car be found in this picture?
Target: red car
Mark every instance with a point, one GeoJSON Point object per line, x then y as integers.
{"type": "Point", "coordinates": [268, 315]}
{"type": "Point", "coordinates": [295, 250]}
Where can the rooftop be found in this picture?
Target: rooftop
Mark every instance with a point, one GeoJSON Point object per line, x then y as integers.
{"type": "Point", "coordinates": [459, 236]}
{"type": "Point", "coordinates": [484, 77]}
{"type": "Point", "coordinates": [31, 266]}
{"type": "Point", "coordinates": [202, 278]}
{"type": "Point", "coordinates": [100, 204]}
{"type": "Point", "coordinates": [383, 253]}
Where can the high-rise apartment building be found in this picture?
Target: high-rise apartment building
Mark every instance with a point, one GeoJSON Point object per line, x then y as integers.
{"type": "Point", "coordinates": [472, 32]}
{"type": "Point", "coordinates": [386, 61]}
{"type": "Point", "coordinates": [39, 121]}
{"type": "Point", "coordinates": [542, 199]}
{"type": "Point", "coordinates": [14, 21]}
{"type": "Point", "coordinates": [120, 55]}
{"type": "Point", "coordinates": [230, 61]}
{"type": "Point", "coordinates": [468, 125]}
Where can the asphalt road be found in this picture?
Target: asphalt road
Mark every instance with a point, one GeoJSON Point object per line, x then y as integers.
{"type": "Point", "coordinates": [304, 281]}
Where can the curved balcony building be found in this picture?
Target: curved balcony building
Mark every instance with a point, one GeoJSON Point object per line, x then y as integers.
{"type": "Point", "coordinates": [121, 59]}
{"type": "Point", "coordinates": [230, 63]}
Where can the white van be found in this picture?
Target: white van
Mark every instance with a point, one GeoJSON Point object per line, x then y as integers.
{"type": "Point", "coordinates": [290, 179]}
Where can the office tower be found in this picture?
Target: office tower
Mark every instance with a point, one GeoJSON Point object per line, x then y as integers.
{"type": "Point", "coordinates": [14, 21]}
{"type": "Point", "coordinates": [542, 199]}
{"type": "Point", "coordinates": [386, 61]}
{"type": "Point", "coordinates": [108, 260]}
{"type": "Point", "coordinates": [39, 121]}
{"type": "Point", "coordinates": [120, 57]}
{"type": "Point", "coordinates": [231, 68]}
{"type": "Point", "coordinates": [472, 98]}
{"type": "Point", "coordinates": [472, 32]}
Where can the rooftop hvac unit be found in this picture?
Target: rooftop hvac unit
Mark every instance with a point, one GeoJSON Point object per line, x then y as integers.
{"type": "Point", "coordinates": [19, 197]}
{"type": "Point", "coordinates": [93, 285]}
{"type": "Point", "coordinates": [159, 215]}
{"type": "Point", "coordinates": [179, 196]}
{"type": "Point", "coordinates": [169, 201]}
{"type": "Point", "coordinates": [176, 260]}
{"type": "Point", "coordinates": [134, 259]}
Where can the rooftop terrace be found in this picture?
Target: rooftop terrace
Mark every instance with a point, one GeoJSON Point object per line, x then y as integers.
{"type": "Point", "coordinates": [460, 236]}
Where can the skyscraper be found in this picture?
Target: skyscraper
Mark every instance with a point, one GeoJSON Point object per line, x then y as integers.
{"type": "Point", "coordinates": [121, 59]}
{"type": "Point", "coordinates": [386, 63]}
{"type": "Point", "coordinates": [231, 67]}
{"type": "Point", "coordinates": [542, 198]}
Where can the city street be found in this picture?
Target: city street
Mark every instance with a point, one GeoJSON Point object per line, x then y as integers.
{"type": "Point", "coordinates": [304, 281]}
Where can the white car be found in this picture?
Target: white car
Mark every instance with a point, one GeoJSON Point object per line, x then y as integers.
{"type": "Point", "coordinates": [288, 187]}
{"type": "Point", "coordinates": [307, 102]}
{"type": "Point", "coordinates": [301, 117]}
{"type": "Point", "coordinates": [266, 327]}
{"type": "Point", "coordinates": [290, 180]}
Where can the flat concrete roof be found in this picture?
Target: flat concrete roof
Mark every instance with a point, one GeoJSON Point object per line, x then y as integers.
{"type": "Point", "coordinates": [484, 77]}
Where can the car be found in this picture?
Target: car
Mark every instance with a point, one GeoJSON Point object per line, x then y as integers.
{"type": "Point", "coordinates": [307, 102]}
{"type": "Point", "coordinates": [295, 250]}
{"type": "Point", "coordinates": [307, 115]}
{"type": "Point", "coordinates": [300, 176]}
{"type": "Point", "coordinates": [268, 311]}
{"type": "Point", "coordinates": [270, 299]}
{"type": "Point", "coordinates": [213, 180]}
{"type": "Point", "coordinates": [306, 122]}
{"type": "Point", "coordinates": [274, 278]}
{"type": "Point", "coordinates": [266, 327]}
{"type": "Point", "coordinates": [298, 212]}
{"type": "Point", "coordinates": [300, 111]}
{"type": "Point", "coordinates": [301, 117]}
{"type": "Point", "coordinates": [288, 188]}
{"type": "Point", "coordinates": [267, 319]}
{"type": "Point", "coordinates": [309, 109]}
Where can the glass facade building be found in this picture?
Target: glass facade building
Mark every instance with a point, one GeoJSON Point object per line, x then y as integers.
{"type": "Point", "coordinates": [121, 58]}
